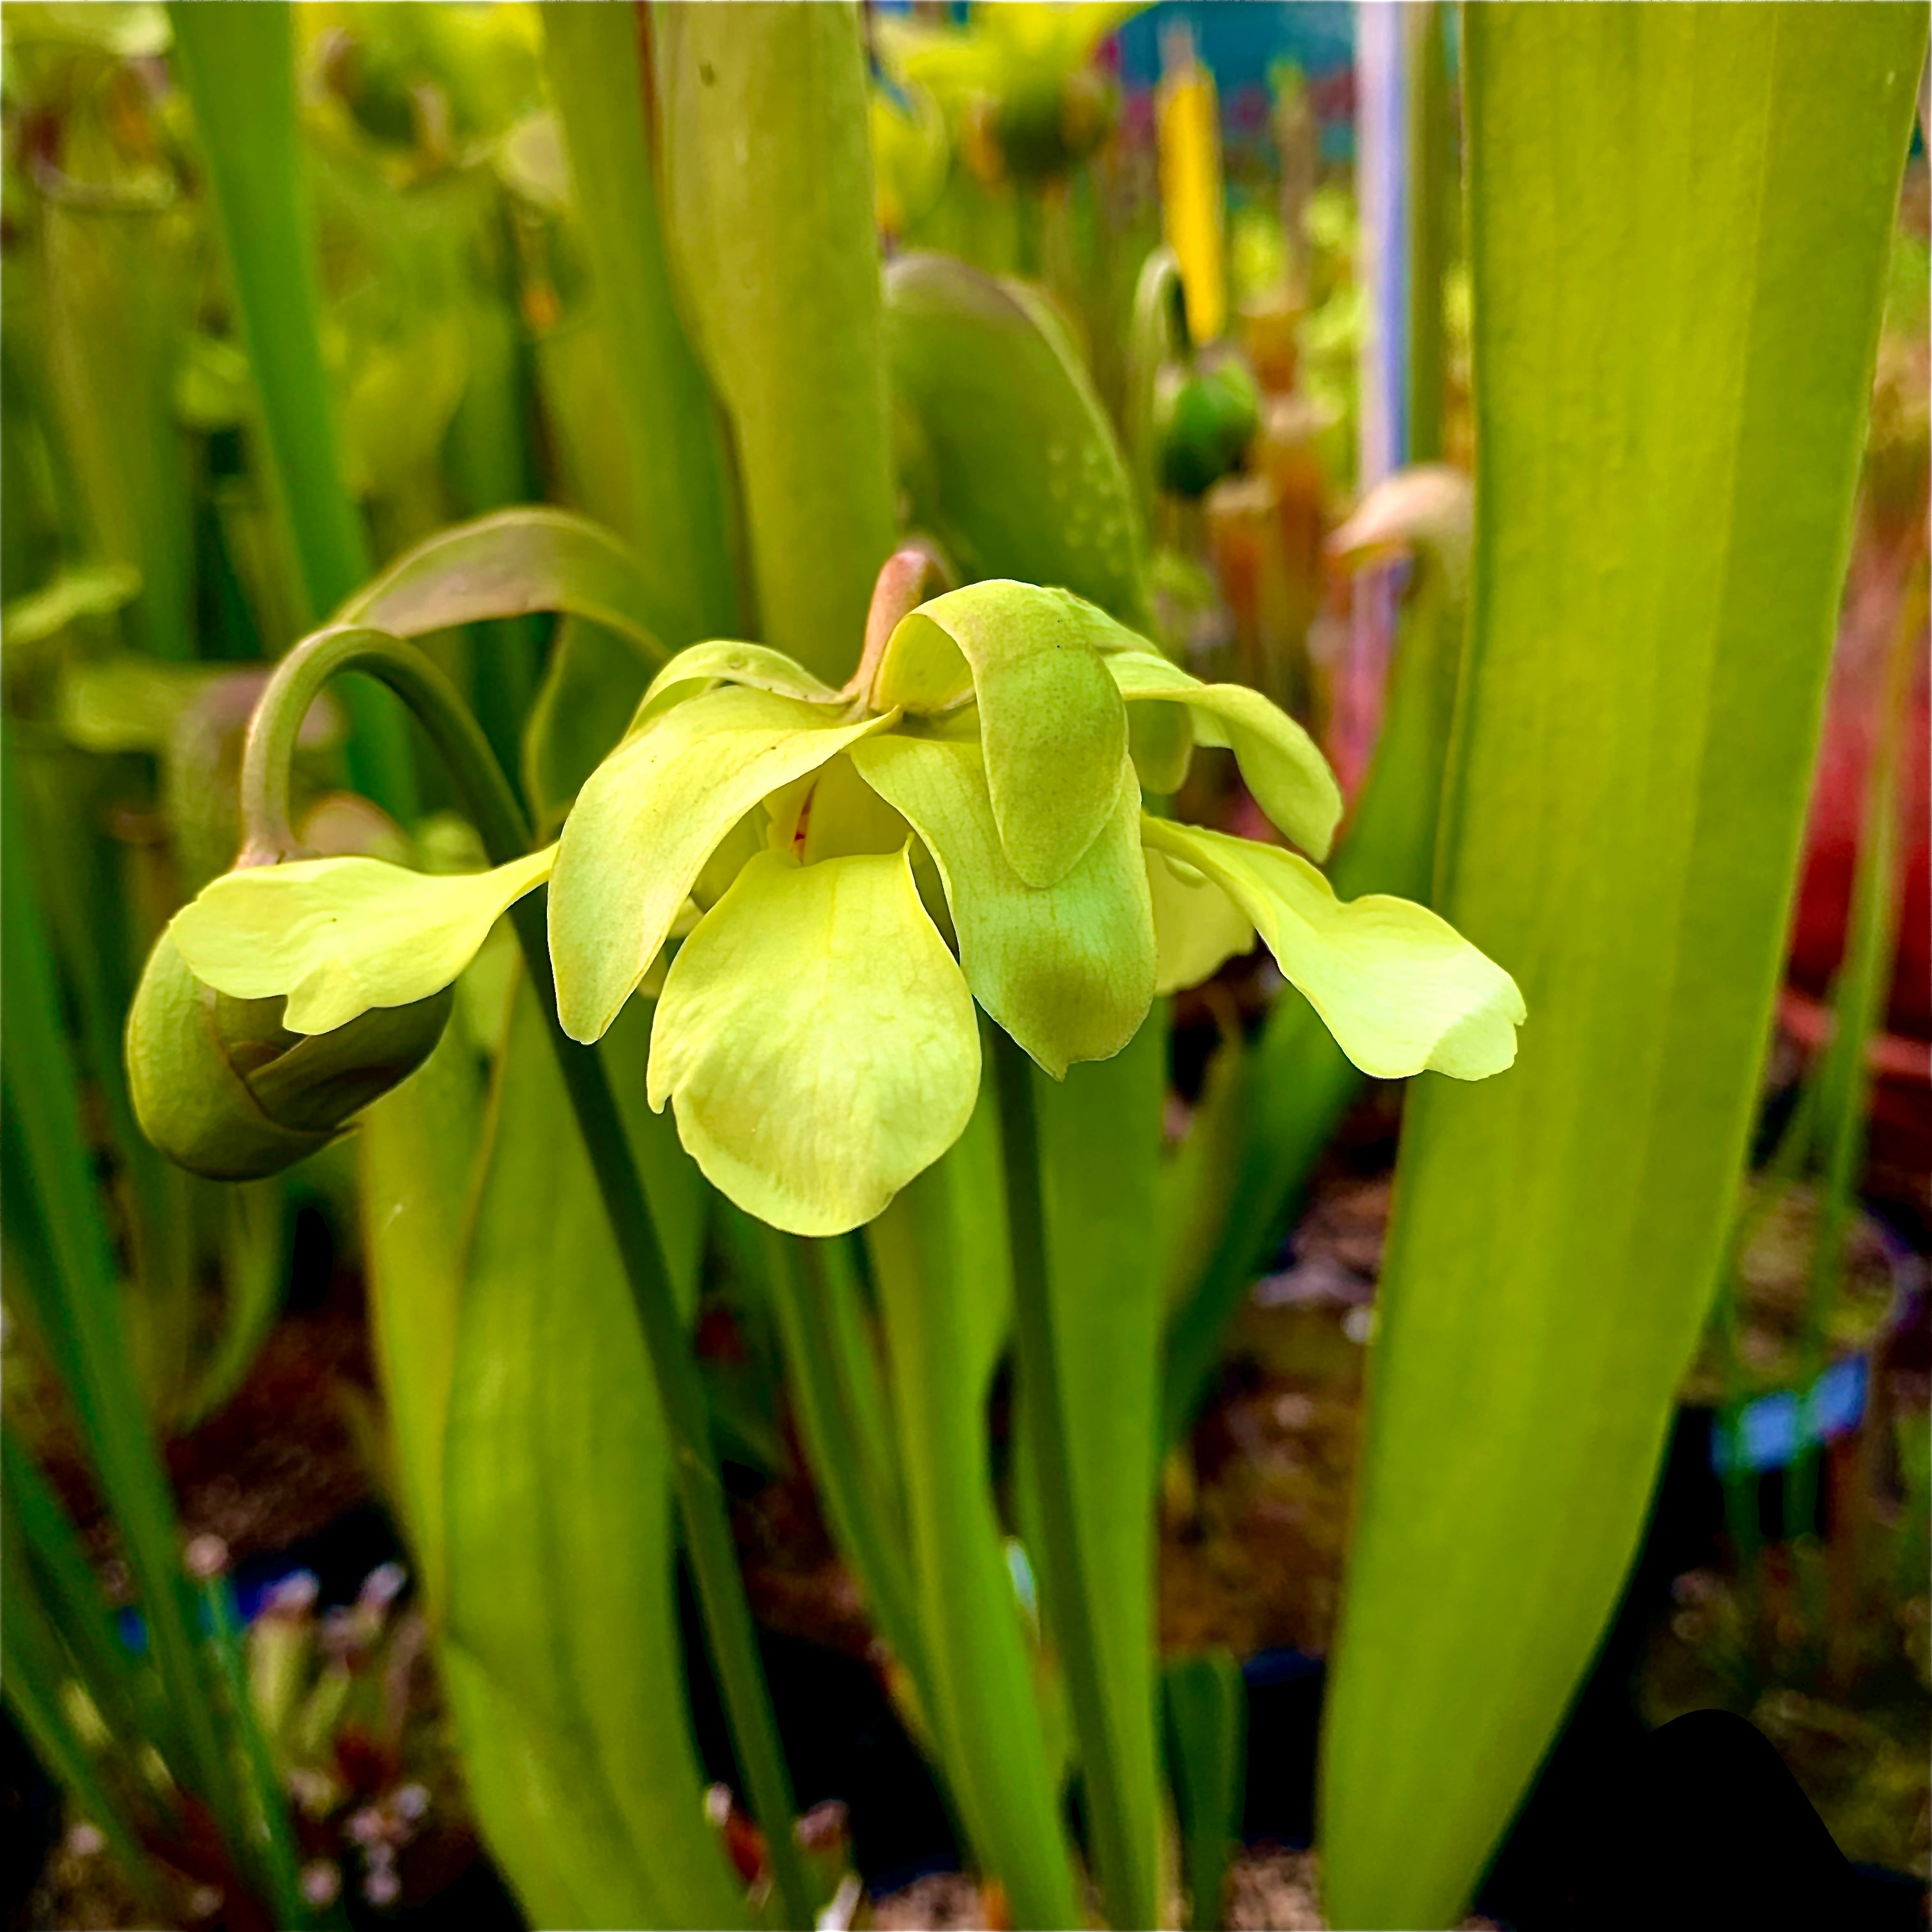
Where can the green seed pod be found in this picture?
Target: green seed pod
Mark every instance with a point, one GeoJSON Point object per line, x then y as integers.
{"type": "Point", "coordinates": [1205, 422]}
{"type": "Point", "coordinates": [1044, 129]}
{"type": "Point", "coordinates": [222, 1088]}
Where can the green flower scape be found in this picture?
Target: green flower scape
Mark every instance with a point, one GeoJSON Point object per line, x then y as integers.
{"type": "Point", "coordinates": [819, 885]}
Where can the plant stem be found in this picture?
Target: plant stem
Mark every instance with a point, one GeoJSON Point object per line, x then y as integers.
{"type": "Point", "coordinates": [499, 820]}
{"type": "Point", "coordinates": [939, 1262]}
{"type": "Point", "coordinates": [846, 1433]}
{"type": "Point", "coordinates": [1121, 1862]}
{"type": "Point", "coordinates": [264, 1783]}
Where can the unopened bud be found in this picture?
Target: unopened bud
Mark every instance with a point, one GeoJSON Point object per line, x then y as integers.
{"type": "Point", "coordinates": [222, 1088]}
{"type": "Point", "coordinates": [1204, 420]}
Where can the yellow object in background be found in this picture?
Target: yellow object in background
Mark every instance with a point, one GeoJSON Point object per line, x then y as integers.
{"type": "Point", "coordinates": [1190, 186]}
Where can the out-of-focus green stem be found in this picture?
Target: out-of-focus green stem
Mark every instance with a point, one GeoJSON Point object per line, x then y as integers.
{"type": "Point", "coordinates": [113, 356]}
{"type": "Point", "coordinates": [237, 63]}
{"type": "Point", "coordinates": [841, 1409]}
{"type": "Point", "coordinates": [1299, 1083]}
{"type": "Point", "coordinates": [486, 458]}
{"type": "Point", "coordinates": [79, 1309]}
{"type": "Point", "coordinates": [35, 1672]}
{"type": "Point", "coordinates": [1433, 203]}
{"type": "Point", "coordinates": [499, 821]}
{"type": "Point", "coordinates": [266, 1801]}
{"type": "Point", "coordinates": [1092, 1597]}
{"type": "Point", "coordinates": [768, 186]}
{"type": "Point", "coordinates": [658, 391]}
{"type": "Point", "coordinates": [937, 1261]}
{"type": "Point", "coordinates": [1844, 1075]}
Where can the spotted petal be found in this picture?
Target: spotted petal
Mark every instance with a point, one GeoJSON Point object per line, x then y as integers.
{"type": "Point", "coordinates": [816, 1040]}
{"type": "Point", "coordinates": [649, 817]}
{"type": "Point", "coordinates": [1399, 989]}
{"type": "Point", "coordinates": [1067, 969]}
{"type": "Point", "coordinates": [1051, 719]}
{"type": "Point", "coordinates": [339, 936]}
{"type": "Point", "coordinates": [1197, 927]}
{"type": "Point", "coordinates": [1283, 768]}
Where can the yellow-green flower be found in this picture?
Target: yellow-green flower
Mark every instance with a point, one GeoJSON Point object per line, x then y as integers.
{"type": "Point", "coordinates": [844, 874]}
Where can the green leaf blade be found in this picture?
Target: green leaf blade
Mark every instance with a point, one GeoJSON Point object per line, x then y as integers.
{"type": "Point", "coordinates": [1677, 300]}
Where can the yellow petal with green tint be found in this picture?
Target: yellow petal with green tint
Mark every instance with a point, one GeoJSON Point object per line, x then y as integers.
{"type": "Point", "coordinates": [1067, 969]}
{"type": "Point", "coordinates": [1050, 717]}
{"type": "Point", "coordinates": [816, 1041]}
{"type": "Point", "coordinates": [1197, 927]}
{"type": "Point", "coordinates": [723, 661]}
{"type": "Point", "coordinates": [1399, 989]}
{"type": "Point", "coordinates": [649, 817]}
{"type": "Point", "coordinates": [339, 936]}
{"type": "Point", "coordinates": [1281, 764]}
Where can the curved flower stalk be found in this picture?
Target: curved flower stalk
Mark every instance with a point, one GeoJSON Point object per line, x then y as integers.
{"type": "Point", "coordinates": [850, 872]}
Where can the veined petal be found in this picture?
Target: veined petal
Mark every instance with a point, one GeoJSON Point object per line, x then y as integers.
{"type": "Point", "coordinates": [1197, 927]}
{"type": "Point", "coordinates": [339, 936]}
{"type": "Point", "coordinates": [1067, 969]}
{"type": "Point", "coordinates": [723, 661]}
{"type": "Point", "coordinates": [1283, 768]}
{"type": "Point", "coordinates": [1051, 719]}
{"type": "Point", "coordinates": [816, 1041]}
{"type": "Point", "coordinates": [649, 817]}
{"type": "Point", "coordinates": [1399, 989]}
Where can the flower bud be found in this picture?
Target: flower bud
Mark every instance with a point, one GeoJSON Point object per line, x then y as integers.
{"type": "Point", "coordinates": [221, 1087]}
{"type": "Point", "coordinates": [1205, 422]}
{"type": "Point", "coordinates": [1042, 130]}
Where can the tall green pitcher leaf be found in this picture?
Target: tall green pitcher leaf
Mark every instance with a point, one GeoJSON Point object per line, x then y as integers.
{"type": "Point", "coordinates": [561, 1644]}
{"type": "Point", "coordinates": [238, 64]}
{"type": "Point", "coordinates": [656, 390]}
{"type": "Point", "coordinates": [1086, 1323]}
{"type": "Point", "coordinates": [768, 179]}
{"type": "Point", "coordinates": [1679, 220]}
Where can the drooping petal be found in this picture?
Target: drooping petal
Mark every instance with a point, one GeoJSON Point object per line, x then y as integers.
{"type": "Point", "coordinates": [1051, 719]}
{"type": "Point", "coordinates": [339, 936]}
{"type": "Point", "coordinates": [1197, 927]}
{"type": "Point", "coordinates": [1280, 762]}
{"type": "Point", "coordinates": [816, 1041]}
{"type": "Point", "coordinates": [649, 817]}
{"type": "Point", "coordinates": [723, 661]}
{"type": "Point", "coordinates": [1067, 969]}
{"type": "Point", "coordinates": [1399, 989]}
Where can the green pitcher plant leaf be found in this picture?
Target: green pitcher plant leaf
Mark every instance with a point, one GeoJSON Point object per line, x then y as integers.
{"type": "Point", "coordinates": [568, 1689]}
{"type": "Point", "coordinates": [1005, 449]}
{"type": "Point", "coordinates": [766, 177]}
{"type": "Point", "coordinates": [1676, 302]}
{"type": "Point", "coordinates": [593, 680]}
{"type": "Point", "coordinates": [514, 562]}
{"type": "Point", "coordinates": [338, 936]}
